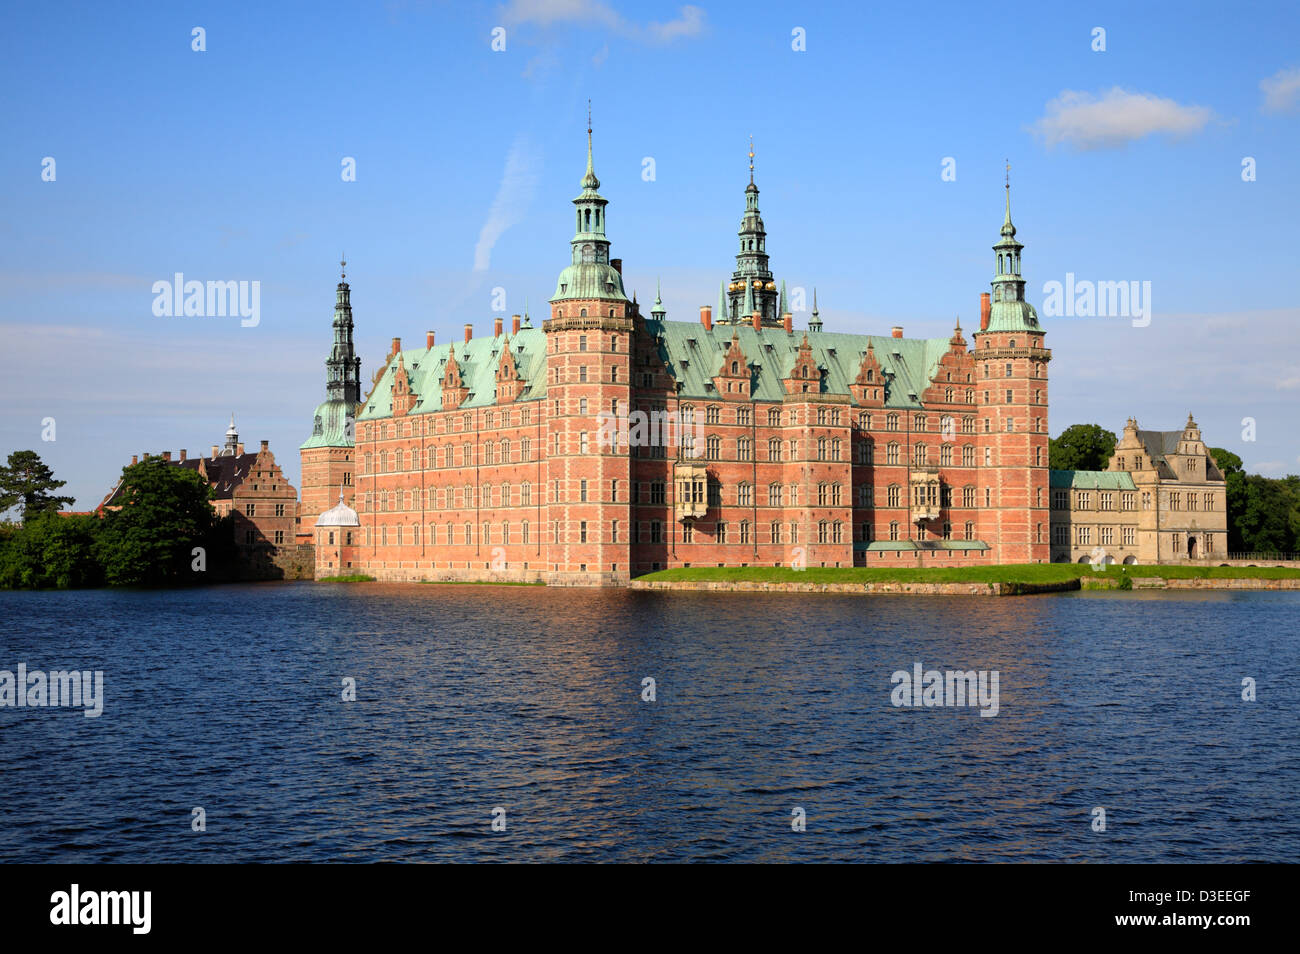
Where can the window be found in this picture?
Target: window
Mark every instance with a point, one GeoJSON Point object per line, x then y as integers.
{"type": "Point", "coordinates": [893, 495]}
{"type": "Point", "coordinates": [891, 454]}
{"type": "Point", "coordinates": [250, 510]}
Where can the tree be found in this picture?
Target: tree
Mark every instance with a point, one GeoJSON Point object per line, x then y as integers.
{"type": "Point", "coordinates": [27, 481]}
{"type": "Point", "coordinates": [1229, 463]}
{"type": "Point", "coordinates": [51, 551]}
{"type": "Point", "coordinates": [165, 514]}
{"type": "Point", "coordinates": [1081, 447]}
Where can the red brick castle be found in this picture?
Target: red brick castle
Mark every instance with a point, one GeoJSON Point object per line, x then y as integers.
{"type": "Point", "coordinates": [527, 455]}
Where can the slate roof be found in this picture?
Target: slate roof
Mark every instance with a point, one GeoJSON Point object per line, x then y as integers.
{"type": "Point", "coordinates": [224, 475]}
{"type": "Point", "coordinates": [1160, 443]}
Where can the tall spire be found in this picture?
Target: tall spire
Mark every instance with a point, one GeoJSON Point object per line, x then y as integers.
{"type": "Point", "coordinates": [589, 182]}
{"type": "Point", "coordinates": [815, 324]}
{"type": "Point", "coordinates": [1009, 311]}
{"type": "Point", "coordinates": [752, 286]}
{"type": "Point", "coordinates": [232, 438]}
{"type": "Point", "coordinates": [589, 274]}
{"type": "Point", "coordinates": [343, 367]}
{"type": "Point", "coordinates": [658, 310]}
{"type": "Point", "coordinates": [722, 304]}
{"type": "Point", "coordinates": [1008, 229]}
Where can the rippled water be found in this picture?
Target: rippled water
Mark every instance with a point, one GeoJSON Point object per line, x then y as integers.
{"type": "Point", "coordinates": [528, 698]}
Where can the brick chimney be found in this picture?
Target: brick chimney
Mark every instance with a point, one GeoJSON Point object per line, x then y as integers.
{"type": "Point", "coordinates": [788, 320]}
{"type": "Point", "coordinates": [239, 448]}
{"type": "Point", "coordinates": [167, 455]}
{"type": "Point", "coordinates": [214, 450]}
{"type": "Point", "coordinates": [134, 460]}
{"type": "Point", "coordinates": [265, 447]}
{"type": "Point", "coordinates": [428, 340]}
{"type": "Point", "coordinates": [617, 264]}
{"type": "Point", "coordinates": [183, 455]}
{"type": "Point", "coordinates": [469, 332]}
{"type": "Point", "coordinates": [397, 346]}
{"type": "Point", "coordinates": [706, 317]}
{"type": "Point", "coordinates": [986, 309]}
{"type": "Point", "coordinates": [496, 327]}
{"type": "Point", "coordinates": [757, 318]}
{"type": "Point", "coordinates": [514, 324]}
{"type": "Point", "coordinates": [897, 331]}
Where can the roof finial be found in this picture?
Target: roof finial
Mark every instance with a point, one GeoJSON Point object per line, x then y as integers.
{"type": "Point", "coordinates": [589, 181]}
{"type": "Point", "coordinates": [343, 265]}
{"type": "Point", "coordinates": [751, 158]}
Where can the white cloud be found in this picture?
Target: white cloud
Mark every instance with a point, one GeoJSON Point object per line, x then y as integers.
{"type": "Point", "coordinates": [1111, 119]}
{"type": "Point", "coordinates": [514, 195]}
{"type": "Point", "coordinates": [1281, 90]}
{"type": "Point", "coordinates": [690, 20]}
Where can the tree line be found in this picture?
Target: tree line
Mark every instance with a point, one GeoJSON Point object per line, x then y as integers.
{"type": "Point", "coordinates": [165, 533]}
{"type": "Point", "coordinates": [1263, 512]}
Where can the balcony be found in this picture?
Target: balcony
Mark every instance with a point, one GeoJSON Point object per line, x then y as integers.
{"type": "Point", "coordinates": [691, 497]}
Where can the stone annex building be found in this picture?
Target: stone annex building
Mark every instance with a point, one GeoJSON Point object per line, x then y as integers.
{"type": "Point", "coordinates": [251, 487]}
{"type": "Point", "coordinates": [491, 457]}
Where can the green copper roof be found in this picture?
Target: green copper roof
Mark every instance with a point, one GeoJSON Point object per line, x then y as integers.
{"type": "Point", "coordinates": [589, 280]}
{"type": "Point", "coordinates": [477, 360]}
{"type": "Point", "coordinates": [329, 426]}
{"type": "Point", "coordinates": [694, 355]}
{"type": "Point", "coordinates": [1092, 479]}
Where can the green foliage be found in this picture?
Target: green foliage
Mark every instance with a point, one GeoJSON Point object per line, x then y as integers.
{"type": "Point", "coordinates": [165, 514]}
{"type": "Point", "coordinates": [350, 578]}
{"type": "Point", "coordinates": [1228, 462]}
{"type": "Point", "coordinates": [1007, 573]}
{"type": "Point", "coordinates": [1081, 447]}
{"type": "Point", "coordinates": [50, 552]}
{"type": "Point", "coordinates": [1263, 513]}
{"type": "Point", "coordinates": [26, 482]}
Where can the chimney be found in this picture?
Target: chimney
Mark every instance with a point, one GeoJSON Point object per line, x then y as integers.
{"type": "Point", "coordinates": [134, 460]}
{"type": "Point", "coordinates": [397, 346]}
{"type": "Point", "coordinates": [239, 448]}
{"type": "Point", "coordinates": [183, 455]}
{"type": "Point", "coordinates": [496, 327]}
{"type": "Point", "coordinates": [214, 450]}
{"type": "Point", "coordinates": [264, 448]}
{"type": "Point", "coordinates": [706, 317]}
{"type": "Point", "coordinates": [758, 321]}
{"type": "Point", "coordinates": [897, 331]}
{"type": "Point", "coordinates": [617, 264]}
{"type": "Point", "coordinates": [514, 324]}
{"type": "Point", "coordinates": [167, 455]}
{"type": "Point", "coordinates": [428, 340]}
{"type": "Point", "coordinates": [144, 456]}
{"type": "Point", "coordinates": [469, 332]}
{"type": "Point", "coordinates": [788, 320]}
{"type": "Point", "coordinates": [986, 309]}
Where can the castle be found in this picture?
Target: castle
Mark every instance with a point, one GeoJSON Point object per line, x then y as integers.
{"type": "Point", "coordinates": [609, 443]}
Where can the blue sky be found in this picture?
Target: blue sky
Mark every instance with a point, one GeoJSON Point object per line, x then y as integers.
{"type": "Point", "coordinates": [225, 165]}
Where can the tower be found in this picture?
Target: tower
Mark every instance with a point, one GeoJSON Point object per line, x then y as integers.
{"type": "Point", "coordinates": [588, 367]}
{"type": "Point", "coordinates": [752, 287]}
{"type": "Point", "coordinates": [232, 439]}
{"type": "Point", "coordinates": [327, 456]}
{"type": "Point", "coordinates": [1011, 383]}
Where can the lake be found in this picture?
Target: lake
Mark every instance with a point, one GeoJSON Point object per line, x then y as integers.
{"type": "Point", "coordinates": [471, 700]}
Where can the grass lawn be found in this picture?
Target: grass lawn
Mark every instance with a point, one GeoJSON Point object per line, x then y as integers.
{"type": "Point", "coordinates": [1011, 573]}
{"type": "Point", "coordinates": [353, 578]}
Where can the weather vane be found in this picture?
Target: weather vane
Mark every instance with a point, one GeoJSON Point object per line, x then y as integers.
{"type": "Point", "coordinates": [588, 117]}
{"type": "Point", "coordinates": [343, 264]}
{"type": "Point", "coordinates": [751, 158]}
{"type": "Point", "coordinates": [1008, 173]}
